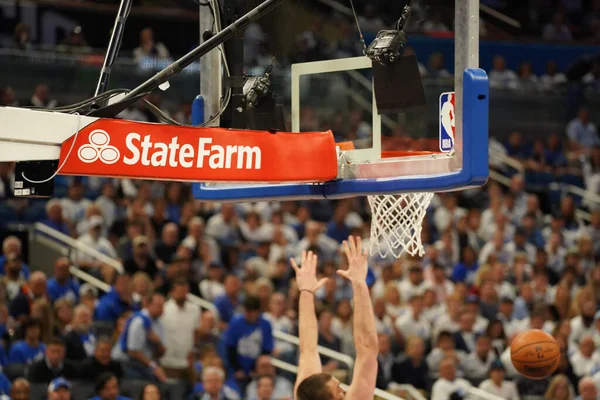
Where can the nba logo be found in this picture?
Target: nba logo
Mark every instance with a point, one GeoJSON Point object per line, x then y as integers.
{"type": "Point", "coordinates": [447, 122]}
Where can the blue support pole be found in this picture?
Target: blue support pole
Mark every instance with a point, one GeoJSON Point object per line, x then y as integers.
{"type": "Point", "coordinates": [198, 110]}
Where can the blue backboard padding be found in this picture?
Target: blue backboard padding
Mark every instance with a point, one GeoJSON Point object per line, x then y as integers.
{"type": "Point", "coordinates": [475, 170]}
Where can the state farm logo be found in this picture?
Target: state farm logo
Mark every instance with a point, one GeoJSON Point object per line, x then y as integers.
{"type": "Point", "coordinates": [144, 151]}
{"type": "Point", "coordinates": [99, 148]}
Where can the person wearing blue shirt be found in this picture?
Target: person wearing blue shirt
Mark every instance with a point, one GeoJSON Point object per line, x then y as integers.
{"type": "Point", "coordinates": [142, 341]}
{"type": "Point", "coordinates": [30, 349]}
{"type": "Point", "coordinates": [55, 218]}
{"type": "Point", "coordinates": [248, 336]}
{"type": "Point", "coordinates": [107, 388]}
{"type": "Point", "coordinates": [465, 270]}
{"type": "Point", "coordinates": [227, 303]}
{"type": "Point", "coordinates": [12, 245]}
{"type": "Point", "coordinates": [115, 302]}
{"type": "Point", "coordinates": [62, 284]}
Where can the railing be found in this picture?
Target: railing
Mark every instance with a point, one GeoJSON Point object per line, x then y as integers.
{"type": "Point", "coordinates": [482, 394]}
{"type": "Point", "coordinates": [75, 244]}
{"type": "Point", "coordinates": [505, 181]}
{"type": "Point", "coordinates": [71, 243]}
{"type": "Point", "coordinates": [378, 392]}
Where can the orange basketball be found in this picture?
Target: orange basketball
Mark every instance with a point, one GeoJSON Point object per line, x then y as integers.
{"type": "Point", "coordinates": [535, 354]}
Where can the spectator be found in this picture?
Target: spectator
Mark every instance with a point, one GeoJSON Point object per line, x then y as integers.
{"type": "Point", "coordinates": [62, 285]}
{"type": "Point", "coordinates": [54, 216]}
{"type": "Point", "coordinates": [30, 349]}
{"type": "Point", "coordinates": [116, 301]}
{"type": "Point", "coordinates": [500, 76]}
{"type": "Point", "coordinates": [228, 303]}
{"type": "Point", "coordinates": [79, 340]}
{"type": "Point", "coordinates": [264, 387]}
{"type": "Point", "coordinates": [107, 388]}
{"type": "Point", "coordinates": [585, 359]}
{"type": "Point", "coordinates": [41, 97]}
{"type": "Point", "coordinates": [248, 336]}
{"type": "Point", "coordinates": [35, 289]}
{"type": "Point", "coordinates": [14, 279]}
{"type": "Point", "coordinates": [22, 37]}
{"type": "Point", "coordinates": [557, 30]}
{"type": "Point", "coordinates": [53, 365]}
{"type": "Point", "coordinates": [75, 43]}
{"type": "Point", "coordinates": [465, 336]}
{"type": "Point", "coordinates": [581, 132]}
{"type": "Point", "coordinates": [411, 368]}
{"type": "Point", "coordinates": [413, 285]}
{"type": "Point", "coordinates": [497, 385]}
{"type": "Point", "coordinates": [280, 322]}
{"type": "Point", "coordinates": [435, 24]}
{"type": "Point", "coordinates": [142, 341]}
{"type": "Point", "coordinates": [222, 227]}
{"type": "Point", "coordinates": [100, 362]}
{"type": "Point", "coordinates": [436, 68]}
{"type": "Point", "coordinates": [552, 78]}
{"type": "Point", "coordinates": [181, 321]}
{"type": "Point", "coordinates": [94, 239]}
{"type": "Point", "coordinates": [59, 389]}
{"type": "Point", "coordinates": [141, 259]}
{"type": "Point", "coordinates": [166, 248]}
{"type": "Point", "coordinates": [558, 389]}
{"type": "Point", "coordinates": [20, 389]}
{"type": "Point", "coordinates": [213, 380]}
{"type": "Point", "coordinates": [148, 48]}
{"type": "Point", "coordinates": [282, 388]}
{"type": "Point", "coordinates": [587, 389]}
{"type": "Point", "coordinates": [385, 361]}
{"type": "Point", "coordinates": [477, 364]}
{"type": "Point", "coordinates": [527, 79]}
{"type": "Point", "coordinates": [448, 385]}
{"type": "Point", "coordinates": [207, 332]}
{"type": "Point", "coordinates": [150, 392]}
{"type": "Point", "coordinates": [12, 245]}
{"type": "Point", "coordinates": [413, 322]}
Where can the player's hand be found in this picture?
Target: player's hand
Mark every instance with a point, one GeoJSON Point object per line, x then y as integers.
{"type": "Point", "coordinates": [306, 277]}
{"type": "Point", "coordinates": [357, 260]}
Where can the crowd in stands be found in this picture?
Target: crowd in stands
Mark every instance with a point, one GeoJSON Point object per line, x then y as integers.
{"type": "Point", "coordinates": [496, 263]}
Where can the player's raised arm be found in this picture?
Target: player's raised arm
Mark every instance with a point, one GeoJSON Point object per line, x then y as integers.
{"type": "Point", "coordinates": [306, 276]}
{"type": "Point", "coordinates": [365, 333]}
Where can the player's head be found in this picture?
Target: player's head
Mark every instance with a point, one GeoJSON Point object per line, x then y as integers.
{"type": "Point", "coordinates": [320, 386]}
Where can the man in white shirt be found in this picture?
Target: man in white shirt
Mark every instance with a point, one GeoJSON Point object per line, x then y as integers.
{"type": "Point", "coordinates": [413, 322]}
{"type": "Point", "coordinates": [96, 241]}
{"type": "Point", "coordinates": [583, 324]}
{"type": "Point", "coordinates": [442, 286]}
{"type": "Point", "coordinates": [413, 284]}
{"type": "Point", "coordinates": [181, 320]}
{"type": "Point", "coordinates": [280, 322]}
{"type": "Point", "coordinates": [448, 385]}
{"type": "Point", "coordinates": [501, 77]}
{"type": "Point", "coordinates": [585, 360]}
{"type": "Point", "coordinates": [496, 385]}
{"type": "Point", "coordinates": [478, 363]}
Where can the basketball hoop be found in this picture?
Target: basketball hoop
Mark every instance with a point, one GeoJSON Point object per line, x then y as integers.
{"type": "Point", "coordinates": [396, 223]}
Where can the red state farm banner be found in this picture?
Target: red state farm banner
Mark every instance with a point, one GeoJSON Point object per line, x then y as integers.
{"type": "Point", "coordinates": [126, 149]}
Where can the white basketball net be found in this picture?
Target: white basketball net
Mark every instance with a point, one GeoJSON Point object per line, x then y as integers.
{"type": "Point", "coordinates": [396, 223]}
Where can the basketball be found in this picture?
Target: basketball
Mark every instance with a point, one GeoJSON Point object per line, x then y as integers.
{"type": "Point", "coordinates": [535, 354]}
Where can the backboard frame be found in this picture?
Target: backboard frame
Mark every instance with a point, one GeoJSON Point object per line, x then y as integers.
{"type": "Point", "coordinates": [467, 167]}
